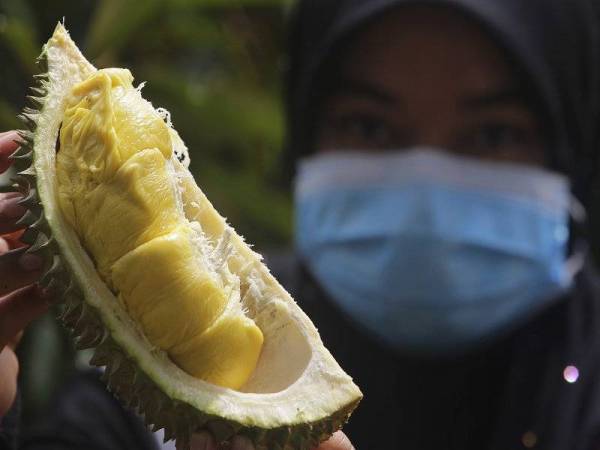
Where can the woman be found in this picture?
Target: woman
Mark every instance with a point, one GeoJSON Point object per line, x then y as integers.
{"type": "Point", "coordinates": [440, 147]}
{"type": "Point", "coordinates": [399, 109]}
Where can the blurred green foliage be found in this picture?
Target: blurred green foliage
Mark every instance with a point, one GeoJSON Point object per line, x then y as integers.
{"type": "Point", "coordinates": [214, 64]}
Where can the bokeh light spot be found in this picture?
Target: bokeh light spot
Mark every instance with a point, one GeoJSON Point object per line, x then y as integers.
{"type": "Point", "coordinates": [529, 439]}
{"type": "Point", "coordinates": [571, 374]}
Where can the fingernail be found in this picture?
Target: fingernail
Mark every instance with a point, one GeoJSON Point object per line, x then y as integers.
{"type": "Point", "coordinates": [11, 209]}
{"type": "Point", "coordinates": [30, 262]}
{"type": "Point", "coordinates": [203, 441]}
{"type": "Point", "coordinates": [240, 442]}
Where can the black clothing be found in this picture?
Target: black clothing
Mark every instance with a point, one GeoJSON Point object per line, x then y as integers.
{"type": "Point", "coordinates": [9, 426]}
{"type": "Point", "coordinates": [554, 45]}
{"type": "Point", "coordinates": [513, 394]}
{"type": "Point", "coordinates": [85, 416]}
{"type": "Point", "coordinates": [508, 396]}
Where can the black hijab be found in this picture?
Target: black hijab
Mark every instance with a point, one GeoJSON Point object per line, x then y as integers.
{"type": "Point", "coordinates": [555, 47]}
{"type": "Point", "coordinates": [555, 44]}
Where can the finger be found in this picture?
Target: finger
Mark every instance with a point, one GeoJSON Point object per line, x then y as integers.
{"type": "Point", "coordinates": [8, 145]}
{"type": "Point", "coordinates": [19, 308]}
{"type": "Point", "coordinates": [18, 269]}
{"type": "Point", "coordinates": [9, 369]}
{"type": "Point", "coordinates": [203, 441]}
{"type": "Point", "coordinates": [13, 240]}
{"type": "Point", "coordinates": [339, 441]}
{"type": "Point", "coordinates": [10, 212]}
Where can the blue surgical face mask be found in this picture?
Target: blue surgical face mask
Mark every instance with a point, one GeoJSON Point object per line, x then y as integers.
{"type": "Point", "coordinates": [431, 252]}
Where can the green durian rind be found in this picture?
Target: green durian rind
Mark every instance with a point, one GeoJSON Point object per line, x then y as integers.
{"type": "Point", "coordinates": [142, 377]}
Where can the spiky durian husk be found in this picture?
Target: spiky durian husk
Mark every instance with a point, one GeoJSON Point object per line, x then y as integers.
{"type": "Point", "coordinates": [122, 375]}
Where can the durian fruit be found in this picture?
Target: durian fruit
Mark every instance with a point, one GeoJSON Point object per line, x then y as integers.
{"type": "Point", "coordinates": [193, 330]}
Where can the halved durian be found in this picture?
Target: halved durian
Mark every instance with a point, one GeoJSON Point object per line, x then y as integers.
{"type": "Point", "coordinates": [294, 396]}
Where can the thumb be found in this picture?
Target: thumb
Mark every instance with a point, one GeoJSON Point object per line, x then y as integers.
{"type": "Point", "coordinates": [339, 441]}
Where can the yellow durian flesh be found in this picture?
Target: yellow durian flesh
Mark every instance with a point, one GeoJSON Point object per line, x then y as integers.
{"type": "Point", "coordinates": [117, 188]}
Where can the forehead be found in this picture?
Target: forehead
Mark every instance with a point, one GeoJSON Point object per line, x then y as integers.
{"type": "Point", "coordinates": [417, 48]}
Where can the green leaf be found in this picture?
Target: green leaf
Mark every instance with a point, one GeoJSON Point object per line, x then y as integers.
{"type": "Point", "coordinates": [20, 38]}
{"type": "Point", "coordinates": [115, 21]}
{"type": "Point", "coordinates": [8, 116]}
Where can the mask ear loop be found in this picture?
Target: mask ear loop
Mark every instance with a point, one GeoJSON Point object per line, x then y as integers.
{"type": "Point", "coordinates": [579, 246]}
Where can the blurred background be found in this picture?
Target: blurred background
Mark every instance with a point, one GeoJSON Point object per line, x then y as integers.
{"type": "Point", "coordinates": [216, 65]}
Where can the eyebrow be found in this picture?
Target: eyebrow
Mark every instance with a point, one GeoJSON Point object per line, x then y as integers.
{"type": "Point", "coordinates": [510, 95]}
{"type": "Point", "coordinates": [364, 89]}
{"type": "Point", "coordinates": [503, 96]}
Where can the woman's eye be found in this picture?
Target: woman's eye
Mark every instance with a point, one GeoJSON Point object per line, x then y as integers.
{"type": "Point", "coordinates": [363, 131]}
{"type": "Point", "coordinates": [496, 137]}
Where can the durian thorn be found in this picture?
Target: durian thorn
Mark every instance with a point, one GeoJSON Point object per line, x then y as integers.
{"type": "Point", "coordinates": [169, 433]}
{"type": "Point", "coordinates": [40, 224]}
{"type": "Point", "coordinates": [35, 102]}
{"type": "Point", "coordinates": [43, 84]}
{"type": "Point", "coordinates": [114, 364]}
{"type": "Point", "coordinates": [42, 76]}
{"type": "Point", "coordinates": [54, 271]}
{"type": "Point", "coordinates": [41, 242]}
{"type": "Point", "coordinates": [132, 396]}
{"type": "Point", "coordinates": [42, 62]}
{"type": "Point", "coordinates": [124, 373]}
{"type": "Point", "coordinates": [26, 136]}
{"type": "Point", "coordinates": [35, 229]}
{"type": "Point", "coordinates": [70, 315]}
{"type": "Point", "coordinates": [22, 183]}
{"type": "Point", "coordinates": [30, 199]}
{"type": "Point", "coordinates": [127, 391]}
{"type": "Point", "coordinates": [220, 430]}
{"type": "Point", "coordinates": [22, 153]}
{"type": "Point", "coordinates": [28, 120]}
{"type": "Point", "coordinates": [29, 172]}
{"type": "Point", "coordinates": [85, 320]}
{"type": "Point", "coordinates": [153, 404]}
{"type": "Point", "coordinates": [39, 91]}
{"type": "Point", "coordinates": [27, 219]}
{"type": "Point", "coordinates": [89, 338]}
{"type": "Point", "coordinates": [99, 359]}
{"type": "Point", "coordinates": [70, 291]}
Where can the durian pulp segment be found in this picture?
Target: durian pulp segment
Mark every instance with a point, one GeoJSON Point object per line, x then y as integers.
{"type": "Point", "coordinates": [118, 190]}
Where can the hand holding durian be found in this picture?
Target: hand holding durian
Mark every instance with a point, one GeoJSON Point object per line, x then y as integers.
{"type": "Point", "coordinates": [20, 300]}
{"type": "Point", "coordinates": [192, 329]}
